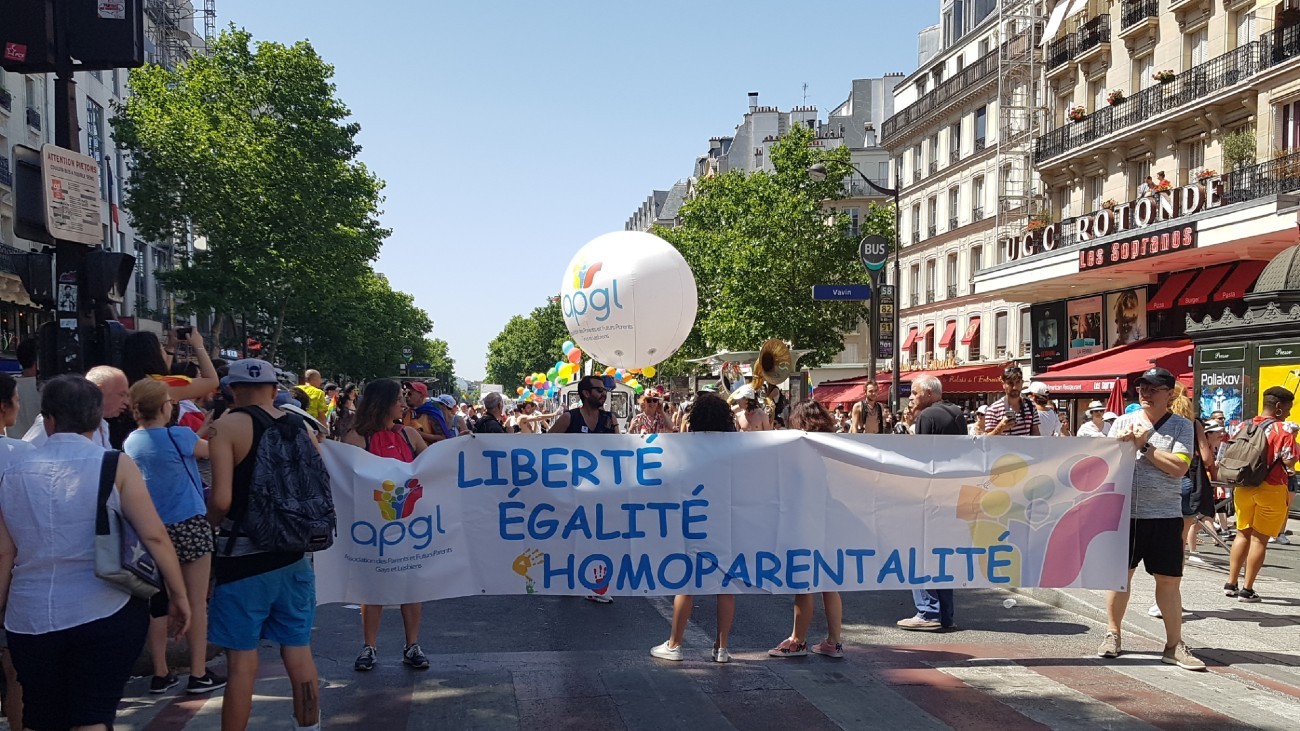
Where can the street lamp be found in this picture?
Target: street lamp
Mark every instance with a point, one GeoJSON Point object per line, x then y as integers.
{"type": "Point", "coordinates": [818, 173]}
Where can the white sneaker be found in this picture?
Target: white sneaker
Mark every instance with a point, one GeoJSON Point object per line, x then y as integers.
{"type": "Point", "coordinates": [1280, 540]}
{"type": "Point", "coordinates": [1154, 611]}
{"type": "Point", "coordinates": [1195, 557]}
{"type": "Point", "coordinates": [599, 599]}
{"type": "Point", "coordinates": [664, 652]}
{"type": "Point", "coordinates": [720, 654]}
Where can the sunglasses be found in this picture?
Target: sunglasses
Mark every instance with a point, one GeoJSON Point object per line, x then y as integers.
{"type": "Point", "coordinates": [652, 401]}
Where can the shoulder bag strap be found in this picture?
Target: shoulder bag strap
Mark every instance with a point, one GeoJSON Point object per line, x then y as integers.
{"type": "Point", "coordinates": [184, 464]}
{"type": "Point", "coordinates": [107, 477]}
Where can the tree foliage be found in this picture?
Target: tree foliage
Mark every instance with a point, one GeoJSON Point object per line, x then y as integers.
{"type": "Point", "coordinates": [250, 148]}
{"type": "Point", "coordinates": [758, 242]}
{"type": "Point", "coordinates": [526, 345]}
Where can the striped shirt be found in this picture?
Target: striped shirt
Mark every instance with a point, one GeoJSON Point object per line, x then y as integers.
{"type": "Point", "coordinates": [1022, 428]}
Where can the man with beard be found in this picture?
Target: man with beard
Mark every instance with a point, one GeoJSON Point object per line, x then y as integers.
{"type": "Point", "coordinates": [869, 415]}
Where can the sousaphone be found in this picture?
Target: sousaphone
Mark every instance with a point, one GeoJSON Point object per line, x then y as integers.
{"type": "Point", "coordinates": [775, 364]}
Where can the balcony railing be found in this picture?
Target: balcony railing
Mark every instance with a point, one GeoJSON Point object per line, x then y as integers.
{"type": "Point", "coordinates": [979, 144]}
{"type": "Point", "coordinates": [932, 230]}
{"type": "Point", "coordinates": [985, 68]}
{"type": "Point", "coordinates": [929, 296]}
{"type": "Point", "coordinates": [1089, 36]}
{"type": "Point", "coordinates": [952, 291]}
{"type": "Point", "coordinates": [952, 223]}
{"type": "Point", "coordinates": [916, 237]}
{"type": "Point", "coordinates": [33, 118]}
{"type": "Point", "coordinates": [934, 166]}
{"type": "Point", "coordinates": [1187, 88]}
{"type": "Point", "coordinates": [6, 177]}
{"type": "Point", "coordinates": [915, 299]}
{"type": "Point", "coordinates": [1279, 175]}
{"type": "Point", "coordinates": [1137, 11]}
{"type": "Point", "coordinates": [6, 100]}
{"type": "Point", "coordinates": [977, 214]}
{"type": "Point", "coordinates": [954, 157]}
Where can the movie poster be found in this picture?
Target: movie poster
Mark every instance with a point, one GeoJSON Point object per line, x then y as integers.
{"type": "Point", "coordinates": [1048, 322]}
{"type": "Point", "coordinates": [1126, 317]}
{"type": "Point", "coordinates": [1084, 326]}
{"type": "Point", "coordinates": [1221, 391]}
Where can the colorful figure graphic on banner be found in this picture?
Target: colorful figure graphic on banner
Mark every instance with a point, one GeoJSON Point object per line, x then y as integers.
{"type": "Point", "coordinates": [397, 503]}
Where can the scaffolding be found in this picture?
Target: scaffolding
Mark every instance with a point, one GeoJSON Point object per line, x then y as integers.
{"type": "Point", "coordinates": [170, 30]}
{"type": "Point", "coordinates": [1020, 115]}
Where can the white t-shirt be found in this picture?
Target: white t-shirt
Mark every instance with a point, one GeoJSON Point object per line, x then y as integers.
{"type": "Point", "coordinates": [1090, 430]}
{"type": "Point", "coordinates": [1049, 424]}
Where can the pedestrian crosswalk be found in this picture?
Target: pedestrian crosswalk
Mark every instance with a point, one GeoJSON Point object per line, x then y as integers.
{"type": "Point", "coordinates": [937, 686]}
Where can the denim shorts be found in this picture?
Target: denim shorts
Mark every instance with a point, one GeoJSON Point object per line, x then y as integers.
{"type": "Point", "coordinates": [279, 606]}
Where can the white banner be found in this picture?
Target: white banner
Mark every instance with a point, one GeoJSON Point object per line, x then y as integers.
{"type": "Point", "coordinates": [773, 512]}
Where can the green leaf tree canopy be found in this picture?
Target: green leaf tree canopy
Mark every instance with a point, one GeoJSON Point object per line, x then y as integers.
{"type": "Point", "coordinates": [526, 345]}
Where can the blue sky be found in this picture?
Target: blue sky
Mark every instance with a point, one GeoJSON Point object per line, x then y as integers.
{"type": "Point", "coordinates": [511, 133]}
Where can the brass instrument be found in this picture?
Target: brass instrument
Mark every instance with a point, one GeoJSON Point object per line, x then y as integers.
{"type": "Point", "coordinates": [775, 364]}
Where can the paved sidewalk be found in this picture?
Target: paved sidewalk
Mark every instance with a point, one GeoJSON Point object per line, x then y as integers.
{"type": "Point", "coordinates": [1265, 635]}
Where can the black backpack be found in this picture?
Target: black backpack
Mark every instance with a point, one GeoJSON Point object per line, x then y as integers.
{"type": "Point", "coordinates": [1245, 463]}
{"type": "Point", "coordinates": [290, 508]}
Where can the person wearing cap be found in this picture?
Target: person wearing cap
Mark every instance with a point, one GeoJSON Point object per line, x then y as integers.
{"type": "Point", "coordinates": [976, 427]}
{"type": "Point", "coordinates": [417, 413]}
{"type": "Point", "coordinates": [258, 596]}
{"type": "Point", "coordinates": [1049, 422]}
{"type": "Point", "coordinates": [1011, 415]}
{"type": "Point", "coordinates": [1096, 425]}
{"type": "Point", "coordinates": [749, 417]}
{"type": "Point", "coordinates": [445, 416]}
{"type": "Point", "coordinates": [1164, 443]}
{"type": "Point", "coordinates": [1262, 510]}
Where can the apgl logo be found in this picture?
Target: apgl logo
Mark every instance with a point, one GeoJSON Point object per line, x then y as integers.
{"type": "Point", "coordinates": [396, 504]}
{"type": "Point", "coordinates": [587, 299]}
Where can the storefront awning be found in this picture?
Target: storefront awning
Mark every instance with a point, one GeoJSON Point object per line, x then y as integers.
{"type": "Point", "coordinates": [963, 379]}
{"type": "Point", "coordinates": [949, 331]}
{"type": "Point", "coordinates": [1097, 374]}
{"type": "Point", "coordinates": [1198, 293]}
{"type": "Point", "coordinates": [1240, 281]}
{"type": "Point", "coordinates": [844, 391]}
{"type": "Point", "coordinates": [911, 338]}
{"type": "Point", "coordinates": [925, 333]}
{"type": "Point", "coordinates": [1169, 291]}
{"type": "Point", "coordinates": [972, 331]}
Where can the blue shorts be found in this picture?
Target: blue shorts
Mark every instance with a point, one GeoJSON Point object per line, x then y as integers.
{"type": "Point", "coordinates": [279, 606]}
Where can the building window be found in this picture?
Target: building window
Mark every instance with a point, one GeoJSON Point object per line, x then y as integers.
{"type": "Point", "coordinates": [1098, 94]}
{"type": "Point", "coordinates": [95, 142]}
{"type": "Point", "coordinates": [973, 350]}
{"type": "Point", "coordinates": [882, 175]}
{"type": "Point", "coordinates": [981, 122]}
{"type": "Point", "coordinates": [1143, 68]}
{"type": "Point", "coordinates": [1026, 340]}
{"type": "Point", "coordinates": [854, 214]}
{"type": "Point", "coordinates": [1097, 187]}
{"type": "Point", "coordinates": [1289, 135]}
{"type": "Point", "coordinates": [954, 277]}
{"type": "Point", "coordinates": [954, 142]}
{"type": "Point", "coordinates": [934, 152]}
{"type": "Point", "coordinates": [1245, 28]}
{"type": "Point", "coordinates": [916, 223]}
{"type": "Point", "coordinates": [917, 162]}
{"type": "Point", "coordinates": [1063, 104]}
{"type": "Point", "coordinates": [1193, 159]}
{"type": "Point", "coordinates": [1141, 171]}
{"type": "Point", "coordinates": [976, 260]}
{"type": "Point", "coordinates": [931, 280]}
{"type": "Point", "coordinates": [1000, 334]}
{"type": "Point", "coordinates": [953, 198]}
{"type": "Point", "coordinates": [914, 284]}
{"type": "Point", "coordinates": [1067, 203]}
{"type": "Point", "coordinates": [1198, 47]}
{"type": "Point", "coordinates": [977, 199]}
{"type": "Point", "coordinates": [932, 216]}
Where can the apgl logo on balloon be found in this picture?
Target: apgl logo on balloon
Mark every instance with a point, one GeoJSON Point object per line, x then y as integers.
{"type": "Point", "coordinates": [586, 300]}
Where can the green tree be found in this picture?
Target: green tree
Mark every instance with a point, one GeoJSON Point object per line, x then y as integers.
{"type": "Point", "coordinates": [250, 148]}
{"type": "Point", "coordinates": [758, 242]}
{"type": "Point", "coordinates": [526, 345]}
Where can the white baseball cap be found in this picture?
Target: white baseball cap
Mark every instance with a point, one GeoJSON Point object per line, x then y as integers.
{"type": "Point", "coordinates": [1109, 416]}
{"type": "Point", "coordinates": [1038, 388]}
{"type": "Point", "coordinates": [1096, 406]}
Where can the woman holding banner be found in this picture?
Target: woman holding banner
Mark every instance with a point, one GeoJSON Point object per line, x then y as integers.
{"type": "Point", "coordinates": [375, 431]}
{"type": "Point", "coordinates": [709, 413]}
{"type": "Point", "coordinates": [813, 417]}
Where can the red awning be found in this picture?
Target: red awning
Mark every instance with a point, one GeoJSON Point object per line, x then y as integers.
{"type": "Point", "coordinates": [1240, 281]}
{"type": "Point", "coordinates": [1098, 373]}
{"type": "Point", "coordinates": [972, 331]}
{"type": "Point", "coordinates": [949, 331]}
{"type": "Point", "coordinates": [925, 333]}
{"type": "Point", "coordinates": [964, 379]}
{"type": "Point", "coordinates": [844, 391]}
{"type": "Point", "coordinates": [1199, 292]}
{"type": "Point", "coordinates": [1173, 286]}
{"type": "Point", "coordinates": [911, 338]}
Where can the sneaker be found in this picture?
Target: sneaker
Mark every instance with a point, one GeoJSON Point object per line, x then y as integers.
{"type": "Point", "coordinates": [919, 624]}
{"type": "Point", "coordinates": [599, 599]}
{"type": "Point", "coordinates": [1281, 540]}
{"type": "Point", "coordinates": [366, 660]}
{"type": "Point", "coordinates": [163, 683]}
{"type": "Point", "coordinates": [1154, 611]}
{"type": "Point", "coordinates": [1195, 557]}
{"type": "Point", "coordinates": [1230, 590]}
{"type": "Point", "coordinates": [1182, 657]}
{"type": "Point", "coordinates": [826, 648]}
{"type": "Point", "coordinates": [789, 648]}
{"type": "Point", "coordinates": [1248, 596]}
{"type": "Point", "coordinates": [664, 652]}
{"type": "Point", "coordinates": [720, 654]}
{"type": "Point", "coordinates": [414, 657]}
{"type": "Point", "coordinates": [206, 684]}
{"type": "Point", "coordinates": [1109, 645]}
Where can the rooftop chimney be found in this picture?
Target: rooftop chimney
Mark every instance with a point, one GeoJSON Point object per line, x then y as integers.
{"type": "Point", "coordinates": [753, 101]}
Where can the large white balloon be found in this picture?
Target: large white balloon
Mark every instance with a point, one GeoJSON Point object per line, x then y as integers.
{"type": "Point", "coordinates": [628, 299]}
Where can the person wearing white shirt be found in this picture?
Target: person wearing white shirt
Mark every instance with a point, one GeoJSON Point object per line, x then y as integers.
{"type": "Point", "coordinates": [1049, 423]}
{"type": "Point", "coordinates": [117, 396]}
{"type": "Point", "coordinates": [1096, 425]}
{"type": "Point", "coordinates": [12, 451]}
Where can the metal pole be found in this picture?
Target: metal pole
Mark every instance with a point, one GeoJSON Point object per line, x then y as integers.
{"type": "Point", "coordinates": [898, 296]}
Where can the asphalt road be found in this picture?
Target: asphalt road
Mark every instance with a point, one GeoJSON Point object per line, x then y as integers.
{"type": "Point", "coordinates": [532, 662]}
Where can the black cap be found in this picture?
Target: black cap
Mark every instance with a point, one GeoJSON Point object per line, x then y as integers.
{"type": "Point", "coordinates": [1157, 377]}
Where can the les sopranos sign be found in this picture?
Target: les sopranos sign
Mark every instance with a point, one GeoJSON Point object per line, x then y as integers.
{"type": "Point", "coordinates": [1144, 246]}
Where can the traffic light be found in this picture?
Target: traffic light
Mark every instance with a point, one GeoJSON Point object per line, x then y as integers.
{"type": "Point", "coordinates": [102, 35]}
{"type": "Point", "coordinates": [36, 271]}
{"type": "Point", "coordinates": [107, 276]}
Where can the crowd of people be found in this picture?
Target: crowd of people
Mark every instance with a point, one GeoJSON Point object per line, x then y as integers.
{"type": "Point", "coordinates": [191, 432]}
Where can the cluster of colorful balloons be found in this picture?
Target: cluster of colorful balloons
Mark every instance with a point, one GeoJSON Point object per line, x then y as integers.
{"type": "Point", "coordinates": [538, 386]}
{"type": "Point", "coordinates": [629, 376]}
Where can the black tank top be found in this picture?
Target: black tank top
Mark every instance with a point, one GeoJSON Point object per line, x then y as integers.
{"type": "Point", "coordinates": [578, 425]}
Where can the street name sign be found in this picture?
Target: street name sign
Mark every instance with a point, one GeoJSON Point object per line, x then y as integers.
{"type": "Point", "coordinates": [844, 292]}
